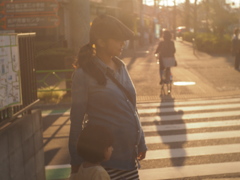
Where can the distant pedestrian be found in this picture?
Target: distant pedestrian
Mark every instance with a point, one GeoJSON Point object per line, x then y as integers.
{"type": "Point", "coordinates": [94, 146]}
{"type": "Point", "coordinates": [236, 48]}
{"type": "Point", "coordinates": [102, 90]}
{"type": "Point", "coordinates": [165, 49]}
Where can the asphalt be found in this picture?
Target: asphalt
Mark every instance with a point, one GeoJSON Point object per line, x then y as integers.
{"type": "Point", "coordinates": [214, 75]}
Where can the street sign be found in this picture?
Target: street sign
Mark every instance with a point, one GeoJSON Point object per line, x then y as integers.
{"type": "Point", "coordinates": [29, 7]}
{"type": "Point", "coordinates": [43, 21]}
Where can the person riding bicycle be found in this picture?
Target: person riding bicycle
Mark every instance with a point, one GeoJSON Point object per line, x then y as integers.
{"type": "Point", "coordinates": [166, 48]}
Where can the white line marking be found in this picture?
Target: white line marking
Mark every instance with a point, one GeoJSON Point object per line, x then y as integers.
{"type": "Point", "coordinates": [193, 151]}
{"type": "Point", "coordinates": [185, 109]}
{"type": "Point", "coordinates": [190, 171]}
{"type": "Point", "coordinates": [210, 124]}
{"type": "Point", "coordinates": [190, 116]}
{"type": "Point", "coordinates": [192, 137]}
{"type": "Point", "coordinates": [154, 110]}
{"type": "Point", "coordinates": [177, 103]}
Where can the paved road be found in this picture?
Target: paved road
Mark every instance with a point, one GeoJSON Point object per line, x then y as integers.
{"type": "Point", "coordinates": [195, 139]}
{"type": "Point", "coordinates": [214, 75]}
{"type": "Point", "coordinates": [192, 133]}
{"type": "Point", "coordinates": [190, 139]}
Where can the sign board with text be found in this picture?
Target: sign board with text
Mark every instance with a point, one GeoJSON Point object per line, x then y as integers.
{"type": "Point", "coordinates": [23, 22]}
{"type": "Point", "coordinates": [29, 7]}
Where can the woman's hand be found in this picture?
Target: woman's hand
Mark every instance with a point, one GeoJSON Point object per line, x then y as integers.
{"type": "Point", "coordinates": [141, 155]}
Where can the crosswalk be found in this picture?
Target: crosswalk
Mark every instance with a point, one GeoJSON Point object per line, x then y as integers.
{"type": "Point", "coordinates": [191, 139]}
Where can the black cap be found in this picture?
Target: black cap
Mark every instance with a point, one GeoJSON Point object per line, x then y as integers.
{"type": "Point", "coordinates": [106, 27]}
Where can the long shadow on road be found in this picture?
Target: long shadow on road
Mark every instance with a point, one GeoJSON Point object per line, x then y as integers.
{"type": "Point", "coordinates": [173, 136]}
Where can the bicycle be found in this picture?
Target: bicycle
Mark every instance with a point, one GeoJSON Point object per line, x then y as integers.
{"type": "Point", "coordinates": [166, 78]}
{"type": "Point", "coordinates": [166, 81]}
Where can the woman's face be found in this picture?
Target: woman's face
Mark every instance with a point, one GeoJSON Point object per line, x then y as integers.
{"type": "Point", "coordinates": [108, 153]}
{"type": "Point", "coordinates": [114, 47]}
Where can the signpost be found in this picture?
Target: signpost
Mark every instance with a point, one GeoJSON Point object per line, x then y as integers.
{"type": "Point", "coordinates": [18, 22]}
{"type": "Point", "coordinates": [29, 7]}
{"type": "Point", "coordinates": [29, 14]}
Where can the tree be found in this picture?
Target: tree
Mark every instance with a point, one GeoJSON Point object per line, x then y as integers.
{"type": "Point", "coordinates": [221, 16]}
{"type": "Point", "coordinates": [216, 15]}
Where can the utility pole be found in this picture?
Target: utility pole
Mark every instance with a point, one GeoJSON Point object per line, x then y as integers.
{"type": "Point", "coordinates": [142, 22]}
{"type": "Point", "coordinates": [207, 13]}
{"type": "Point", "coordinates": [174, 19]}
{"type": "Point", "coordinates": [187, 10]}
{"type": "Point", "coordinates": [79, 23]}
{"type": "Point", "coordinates": [195, 17]}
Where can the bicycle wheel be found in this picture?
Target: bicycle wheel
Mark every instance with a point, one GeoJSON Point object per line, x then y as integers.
{"type": "Point", "coordinates": [168, 80]}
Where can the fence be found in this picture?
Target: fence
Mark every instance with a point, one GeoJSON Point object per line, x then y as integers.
{"type": "Point", "coordinates": [28, 80]}
{"type": "Point", "coordinates": [54, 80]}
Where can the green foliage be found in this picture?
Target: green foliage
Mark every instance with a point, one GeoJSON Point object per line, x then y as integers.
{"type": "Point", "coordinates": [48, 96]}
{"type": "Point", "coordinates": [218, 16]}
{"type": "Point", "coordinates": [52, 58]}
{"type": "Point", "coordinates": [221, 17]}
{"type": "Point", "coordinates": [188, 36]}
{"type": "Point", "coordinates": [213, 43]}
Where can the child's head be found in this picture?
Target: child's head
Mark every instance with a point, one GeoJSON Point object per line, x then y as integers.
{"type": "Point", "coordinates": [95, 144]}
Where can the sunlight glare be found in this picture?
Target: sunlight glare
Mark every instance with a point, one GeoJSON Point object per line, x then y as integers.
{"type": "Point", "coordinates": [165, 2]}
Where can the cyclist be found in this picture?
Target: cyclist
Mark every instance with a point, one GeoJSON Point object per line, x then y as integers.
{"type": "Point", "coordinates": [166, 48]}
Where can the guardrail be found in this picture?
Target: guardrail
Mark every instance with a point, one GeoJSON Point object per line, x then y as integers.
{"type": "Point", "coordinates": [51, 80]}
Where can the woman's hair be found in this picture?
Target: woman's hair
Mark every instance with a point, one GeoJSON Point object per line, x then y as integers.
{"type": "Point", "coordinates": [92, 143]}
{"type": "Point", "coordinates": [103, 27]}
{"type": "Point", "coordinates": [85, 61]}
{"type": "Point", "coordinates": [167, 35]}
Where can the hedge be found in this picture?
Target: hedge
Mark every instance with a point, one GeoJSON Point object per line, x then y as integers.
{"type": "Point", "coordinates": [210, 43]}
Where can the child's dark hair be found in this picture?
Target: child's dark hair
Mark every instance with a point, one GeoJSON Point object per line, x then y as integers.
{"type": "Point", "coordinates": [92, 143]}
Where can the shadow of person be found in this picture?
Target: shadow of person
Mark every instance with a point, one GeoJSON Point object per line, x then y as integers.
{"type": "Point", "coordinates": [172, 131]}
